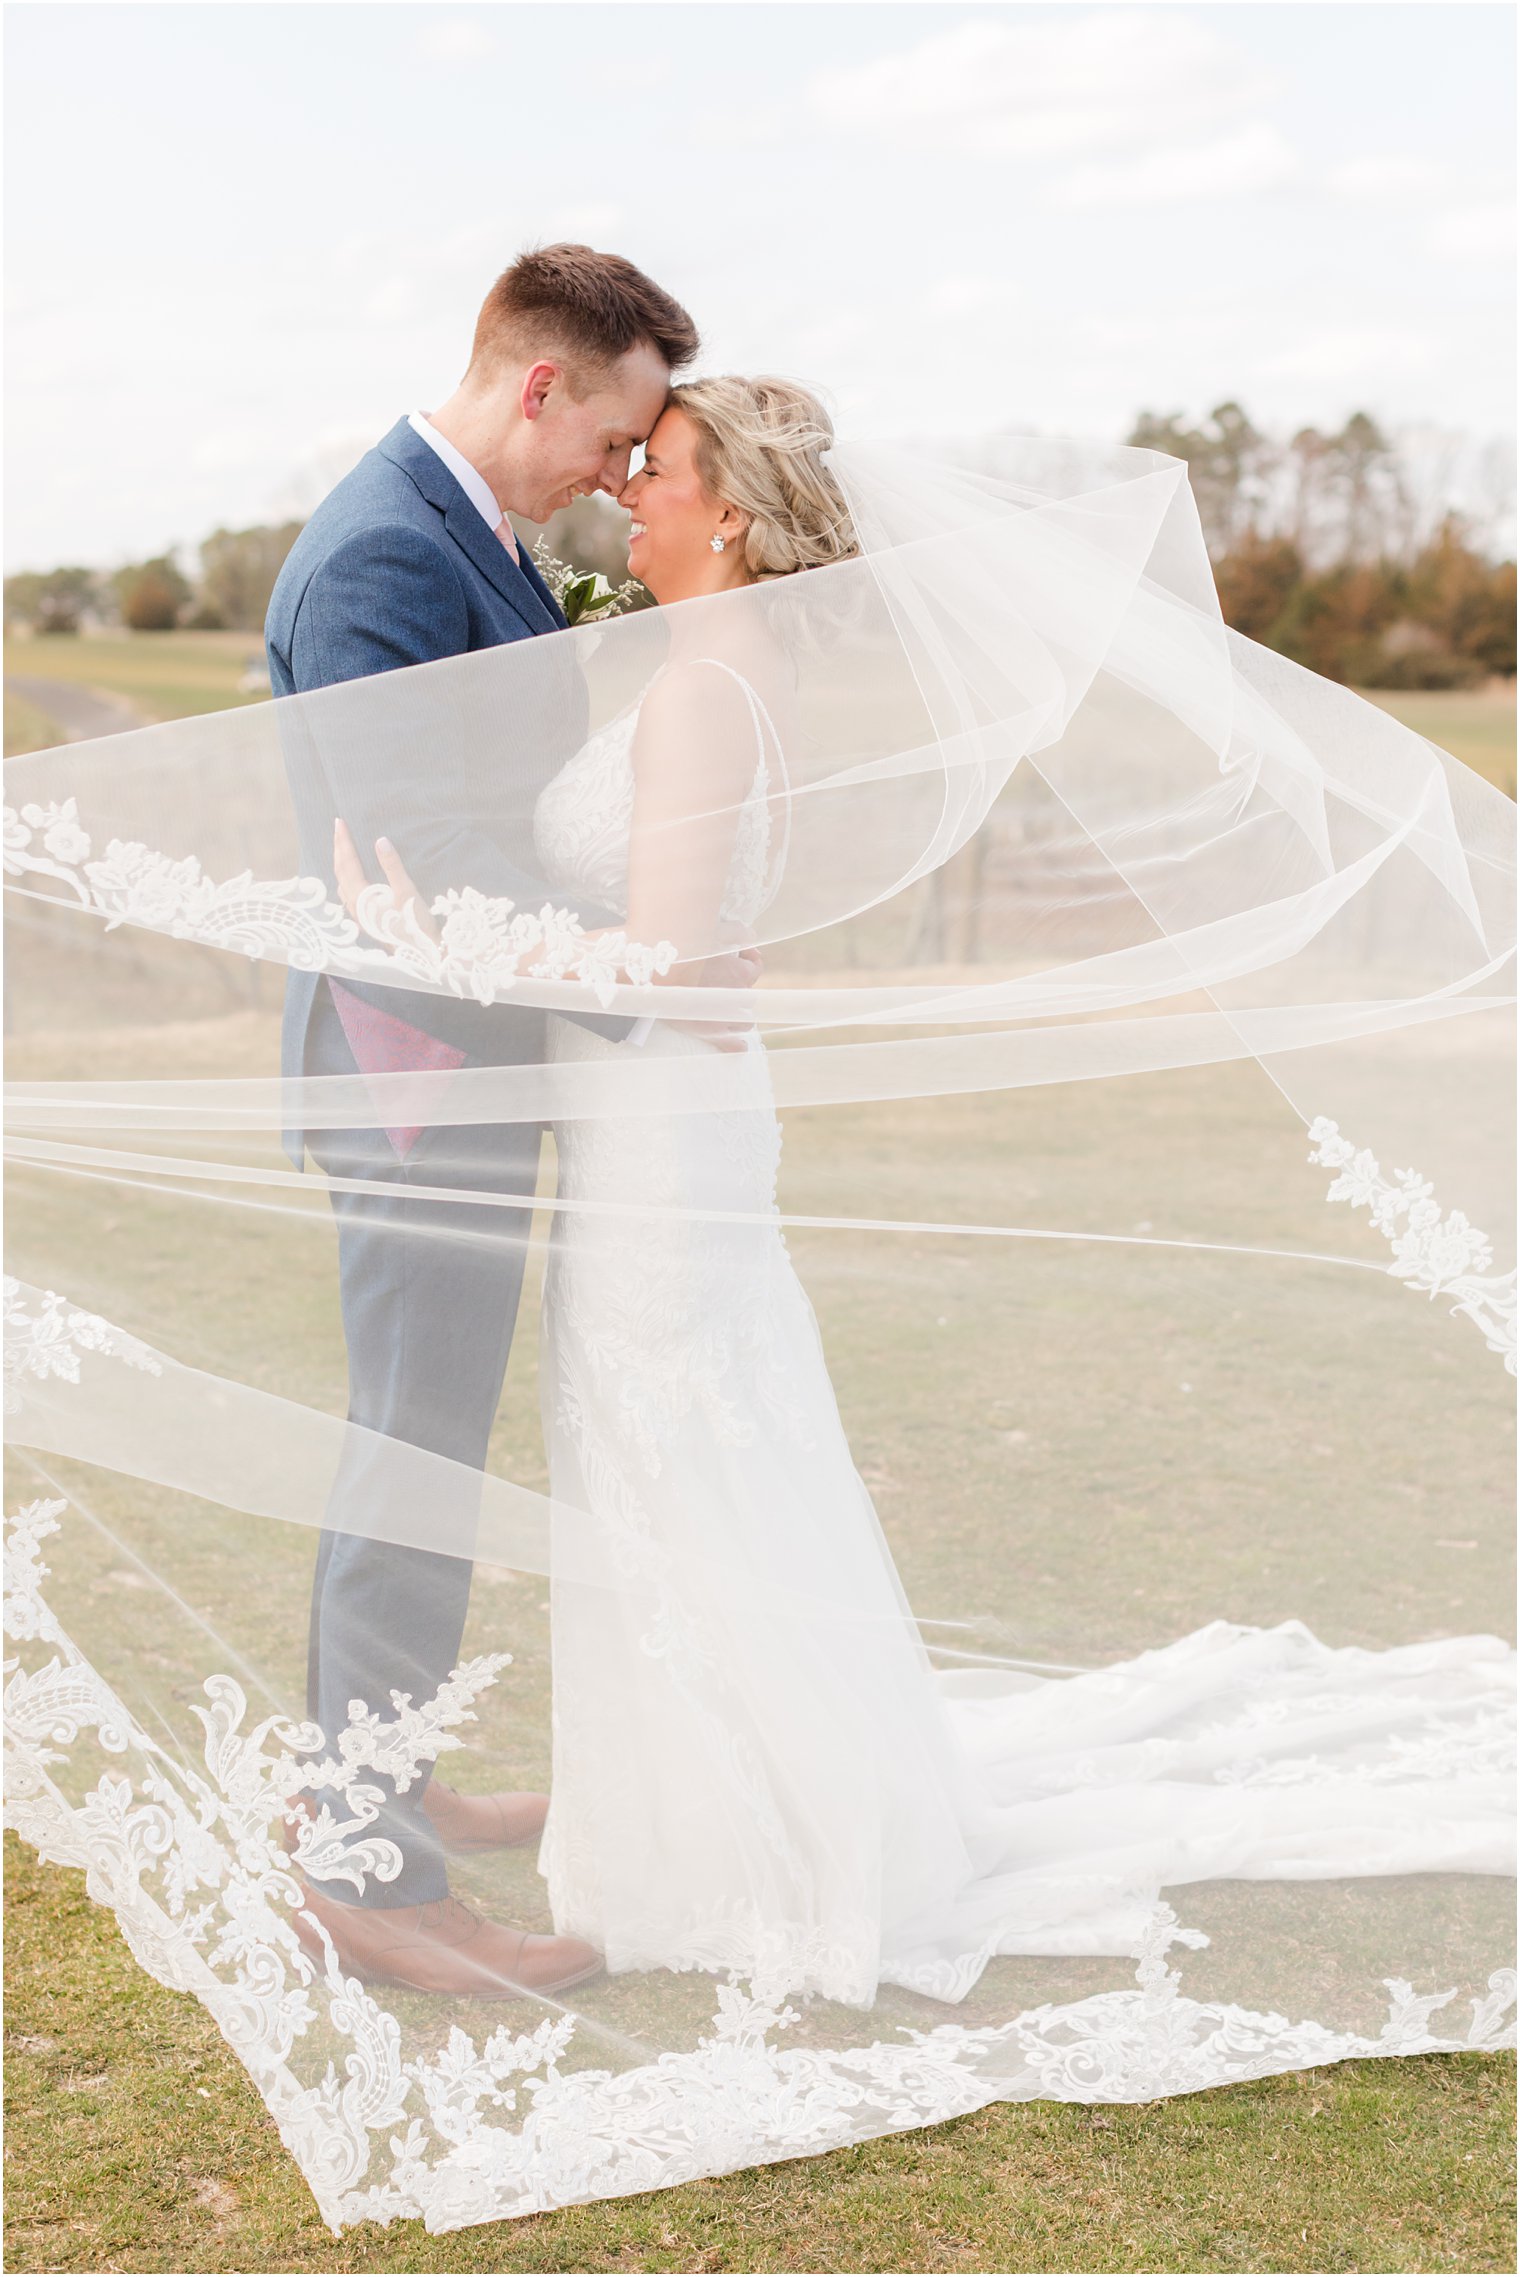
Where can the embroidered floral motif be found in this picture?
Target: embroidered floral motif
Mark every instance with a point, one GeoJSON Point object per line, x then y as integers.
{"type": "Point", "coordinates": [130, 884]}
{"type": "Point", "coordinates": [192, 1866]}
{"type": "Point", "coordinates": [49, 1342]}
{"type": "Point", "coordinates": [480, 949]}
{"type": "Point", "coordinates": [1445, 1256]}
{"type": "Point", "coordinates": [26, 1615]}
{"type": "Point", "coordinates": [585, 814]}
{"type": "Point", "coordinates": [483, 941]}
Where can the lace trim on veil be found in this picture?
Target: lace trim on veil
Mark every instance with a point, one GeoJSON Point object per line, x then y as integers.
{"type": "Point", "coordinates": [484, 942]}
{"type": "Point", "coordinates": [192, 1864]}
{"type": "Point", "coordinates": [1445, 1256]}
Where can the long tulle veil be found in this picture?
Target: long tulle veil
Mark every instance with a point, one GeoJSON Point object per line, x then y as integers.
{"type": "Point", "coordinates": [1138, 1012]}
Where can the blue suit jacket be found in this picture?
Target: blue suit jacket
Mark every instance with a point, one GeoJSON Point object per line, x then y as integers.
{"type": "Point", "coordinates": [397, 568]}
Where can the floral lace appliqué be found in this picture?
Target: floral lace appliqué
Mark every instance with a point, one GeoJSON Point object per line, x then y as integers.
{"type": "Point", "coordinates": [1445, 1255]}
{"type": "Point", "coordinates": [192, 1866]}
{"type": "Point", "coordinates": [483, 944]}
{"type": "Point", "coordinates": [50, 1341]}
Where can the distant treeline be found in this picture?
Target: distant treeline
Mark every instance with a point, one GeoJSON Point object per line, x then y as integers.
{"type": "Point", "coordinates": [1446, 619]}
{"type": "Point", "coordinates": [1338, 551]}
{"type": "Point", "coordinates": [1335, 549]}
{"type": "Point", "coordinates": [230, 592]}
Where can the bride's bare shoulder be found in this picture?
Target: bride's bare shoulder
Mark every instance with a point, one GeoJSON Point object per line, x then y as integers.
{"type": "Point", "coordinates": [700, 709]}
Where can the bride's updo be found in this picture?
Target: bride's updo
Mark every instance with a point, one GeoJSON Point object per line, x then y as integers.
{"type": "Point", "coordinates": [759, 447]}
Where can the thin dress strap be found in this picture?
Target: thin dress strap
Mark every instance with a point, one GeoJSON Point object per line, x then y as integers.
{"type": "Point", "coordinates": [763, 721]}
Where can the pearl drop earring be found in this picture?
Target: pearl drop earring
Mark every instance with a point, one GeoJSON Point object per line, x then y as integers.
{"type": "Point", "coordinates": [719, 545]}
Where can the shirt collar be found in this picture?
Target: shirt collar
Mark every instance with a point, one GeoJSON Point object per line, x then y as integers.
{"type": "Point", "coordinates": [470, 480]}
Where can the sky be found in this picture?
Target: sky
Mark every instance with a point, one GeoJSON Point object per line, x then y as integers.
{"type": "Point", "coordinates": [243, 238]}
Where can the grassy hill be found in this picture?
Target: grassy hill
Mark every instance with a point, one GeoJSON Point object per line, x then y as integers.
{"type": "Point", "coordinates": [138, 2143]}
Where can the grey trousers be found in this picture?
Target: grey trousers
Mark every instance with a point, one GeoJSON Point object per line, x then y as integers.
{"type": "Point", "coordinates": [429, 1294]}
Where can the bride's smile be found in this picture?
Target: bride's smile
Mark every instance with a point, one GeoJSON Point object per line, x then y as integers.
{"type": "Point", "coordinates": [682, 541]}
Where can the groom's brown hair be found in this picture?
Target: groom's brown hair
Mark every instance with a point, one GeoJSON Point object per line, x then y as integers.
{"type": "Point", "coordinates": [591, 307]}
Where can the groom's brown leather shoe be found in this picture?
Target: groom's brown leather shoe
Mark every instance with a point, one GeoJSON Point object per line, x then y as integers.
{"type": "Point", "coordinates": [443, 1947]}
{"type": "Point", "coordinates": [464, 1823]}
{"type": "Point", "coordinates": [484, 1822]}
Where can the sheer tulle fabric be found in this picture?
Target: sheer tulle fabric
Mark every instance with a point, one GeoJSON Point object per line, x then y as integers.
{"type": "Point", "coordinates": [999, 1483]}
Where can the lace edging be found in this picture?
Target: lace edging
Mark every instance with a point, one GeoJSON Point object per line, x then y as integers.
{"type": "Point", "coordinates": [192, 1865]}
{"type": "Point", "coordinates": [50, 1341]}
{"type": "Point", "coordinates": [479, 950]}
{"type": "Point", "coordinates": [1446, 1256]}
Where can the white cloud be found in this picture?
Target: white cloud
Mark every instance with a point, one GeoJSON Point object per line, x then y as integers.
{"type": "Point", "coordinates": [225, 451]}
{"type": "Point", "coordinates": [392, 300]}
{"type": "Point", "coordinates": [1057, 87]}
{"type": "Point", "coordinates": [1361, 354]}
{"type": "Point", "coordinates": [1376, 181]}
{"type": "Point", "coordinates": [1467, 218]}
{"type": "Point", "coordinates": [1474, 235]}
{"type": "Point", "coordinates": [456, 39]}
{"type": "Point", "coordinates": [1258, 157]}
{"type": "Point", "coordinates": [966, 296]}
{"type": "Point", "coordinates": [336, 451]}
{"type": "Point", "coordinates": [472, 246]}
{"type": "Point", "coordinates": [585, 224]}
{"type": "Point", "coordinates": [754, 126]}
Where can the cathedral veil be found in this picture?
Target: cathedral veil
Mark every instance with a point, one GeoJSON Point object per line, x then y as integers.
{"type": "Point", "coordinates": [1138, 1015]}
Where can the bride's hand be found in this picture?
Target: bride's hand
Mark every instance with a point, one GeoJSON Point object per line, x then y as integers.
{"type": "Point", "coordinates": [371, 904]}
{"type": "Point", "coordinates": [737, 967]}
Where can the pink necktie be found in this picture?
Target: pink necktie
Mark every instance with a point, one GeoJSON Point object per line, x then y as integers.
{"type": "Point", "coordinates": [507, 536]}
{"type": "Point", "coordinates": [383, 1045]}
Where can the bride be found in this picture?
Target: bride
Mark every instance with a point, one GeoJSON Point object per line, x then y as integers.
{"type": "Point", "coordinates": [755, 1766]}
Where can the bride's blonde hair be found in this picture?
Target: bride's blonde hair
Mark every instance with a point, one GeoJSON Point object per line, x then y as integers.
{"type": "Point", "coordinates": [760, 446]}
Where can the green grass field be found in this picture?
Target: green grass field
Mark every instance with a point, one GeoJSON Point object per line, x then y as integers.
{"type": "Point", "coordinates": [167, 675]}
{"type": "Point", "coordinates": [136, 2142]}
{"type": "Point", "coordinates": [26, 728]}
{"type": "Point", "coordinates": [1476, 725]}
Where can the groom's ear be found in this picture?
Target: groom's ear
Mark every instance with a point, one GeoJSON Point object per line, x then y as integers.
{"type": "Point", "coordinates": [537, 382]}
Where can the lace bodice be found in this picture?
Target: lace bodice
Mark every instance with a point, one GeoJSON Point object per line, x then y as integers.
{"type": "Point", "coordinates": [583, 820]}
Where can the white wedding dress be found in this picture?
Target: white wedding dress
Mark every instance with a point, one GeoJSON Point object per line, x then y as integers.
{"type": "Point", "coordinates": [1224, 1100]}
{"type": "Point", "coordinates": [756, 1766]}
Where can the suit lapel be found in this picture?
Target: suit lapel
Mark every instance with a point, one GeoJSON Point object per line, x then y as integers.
{"type": "Point", "coordinates": [519, 584]}
{"type": "Point", "coordinates": [531, 574]}
{"type": "Point", "coordinates": [495, 564]}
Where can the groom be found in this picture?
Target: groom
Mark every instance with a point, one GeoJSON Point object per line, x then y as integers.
{"type": "Point", "coordinates": [412, 558]}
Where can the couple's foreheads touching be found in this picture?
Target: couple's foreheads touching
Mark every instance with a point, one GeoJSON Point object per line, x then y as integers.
{"type": "Point", "coordinates": [575, 364]}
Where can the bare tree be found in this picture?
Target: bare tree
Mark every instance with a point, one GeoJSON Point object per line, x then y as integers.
{"type": "Point", "coordinates": [238, 572]}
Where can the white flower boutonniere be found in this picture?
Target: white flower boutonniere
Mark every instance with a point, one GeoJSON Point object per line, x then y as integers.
{"type": "Point", "coordinates": [582, 593]}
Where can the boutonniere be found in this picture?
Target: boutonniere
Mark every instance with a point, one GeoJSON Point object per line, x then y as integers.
{"type": "Point", "coordinates": [582, 593]}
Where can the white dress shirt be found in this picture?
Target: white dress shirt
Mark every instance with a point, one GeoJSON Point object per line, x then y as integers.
{"type": "Point", "coordinates": [470, 480]}
{"type": "Point", "coordinates": [481, 496]}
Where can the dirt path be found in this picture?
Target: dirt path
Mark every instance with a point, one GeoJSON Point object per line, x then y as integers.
{"type": "Point", "coordinates": [78, 713]}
